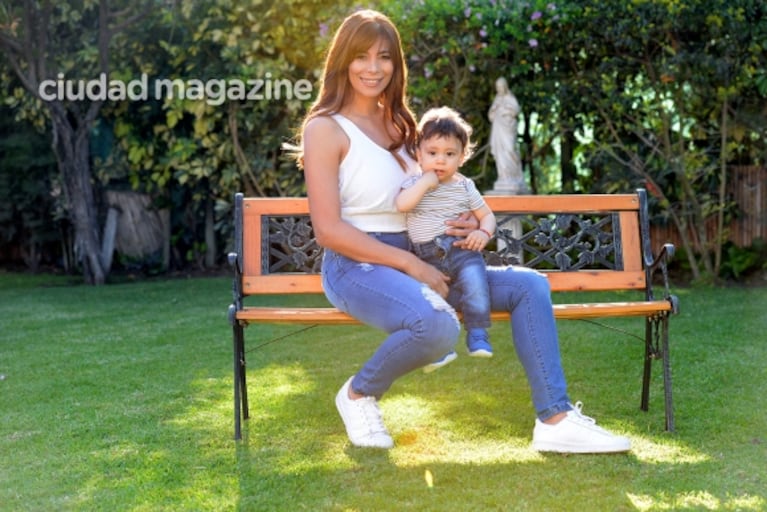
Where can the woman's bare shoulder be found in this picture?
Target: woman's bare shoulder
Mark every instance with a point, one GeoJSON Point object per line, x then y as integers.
{"type": "Point", "coordinates": [322, 126]}
{"type": "Point", "coordinates": [324, 136]}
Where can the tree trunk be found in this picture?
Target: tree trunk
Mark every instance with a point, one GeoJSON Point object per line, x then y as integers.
{"type": "Point", "coordinates": [569, 174]}
{"type": "Point", "coordinates": [210, 234]}
{"type": "Point", "coordinates": [722, 198]}
{"type": "Point", "coordinates": [526, 155]}
{"type": "Point", "coordinates": [71, 147]}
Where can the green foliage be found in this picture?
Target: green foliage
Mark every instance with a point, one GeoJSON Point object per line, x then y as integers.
{"type": "Point", "coordinates": [27, 203]}
{"type": "Point", "coordinates": [212, 147]}
{"type": "Point", "coordinates": [662, 95]}
{"type": "Point", "coordinates": [669, 92]}
{"type": "Point", "coordinates": [457, 50]}
{"type": "Point", "coordinates": [43, 43]}
{"type": "Point", "coordinates": [655, 93]}
{"type": "Point", "coordinates": [741, 262]}
{"type": "Point", "coordinates": [233, 145]}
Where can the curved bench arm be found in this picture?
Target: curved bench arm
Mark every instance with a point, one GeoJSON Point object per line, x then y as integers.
{"type": "Point", "coordinates": [661, 262]}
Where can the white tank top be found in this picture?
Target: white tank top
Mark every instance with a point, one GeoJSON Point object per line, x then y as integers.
{"type": "Point", "coordinates": [369, 179]}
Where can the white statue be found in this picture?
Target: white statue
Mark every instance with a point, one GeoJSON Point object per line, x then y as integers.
{"type": "Point", "coordinates": [503, 139]}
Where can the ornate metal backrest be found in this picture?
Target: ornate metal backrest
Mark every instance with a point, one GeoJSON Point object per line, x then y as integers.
{"type": "Point", "coordinates": [566, 242]}
{"type": "Point", "coordinates": [289, 242]}
{"type": "Point", "coordinates": [562, 241]}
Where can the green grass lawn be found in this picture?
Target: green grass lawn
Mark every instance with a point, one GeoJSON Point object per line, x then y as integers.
{"type": "Point", "coordinates": [119, 398]}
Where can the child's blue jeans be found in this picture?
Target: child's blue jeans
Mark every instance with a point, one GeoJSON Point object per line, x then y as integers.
{"type": "Point", "coordinates": [469, 291]}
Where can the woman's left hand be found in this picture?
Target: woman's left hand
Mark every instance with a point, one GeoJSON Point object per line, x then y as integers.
{"type": "Point", "coordinates": [462, 227]}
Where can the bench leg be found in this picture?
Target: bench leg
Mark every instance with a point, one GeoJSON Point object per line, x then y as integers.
{"type": "Point", "coordinates": [657, 347]}
{"type": "Point", "coordinates": [649, 353]}
{"type": "Point", "coordinates": [667, 376]}
{"type": "Point", "coordinates": [240, 384]}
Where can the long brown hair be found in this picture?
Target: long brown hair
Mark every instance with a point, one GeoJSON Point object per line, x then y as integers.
{"type": "Point", "coordinates": [358, 32]}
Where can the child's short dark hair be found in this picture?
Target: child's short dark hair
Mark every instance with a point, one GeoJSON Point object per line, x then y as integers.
{"type": "Point", "coordinates": [445, 122]}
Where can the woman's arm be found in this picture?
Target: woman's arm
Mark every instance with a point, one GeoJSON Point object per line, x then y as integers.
{"type": "Point", "coordinates": [325, 145]}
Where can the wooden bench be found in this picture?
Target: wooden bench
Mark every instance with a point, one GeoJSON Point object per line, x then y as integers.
{"type": "Point", "coordinates": [581, 242]}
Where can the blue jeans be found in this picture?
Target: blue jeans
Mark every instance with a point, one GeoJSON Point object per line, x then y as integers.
{"type": "Point", "coordinates": [422, 327]}
{"type": "Point", "coordinates": [469, 290]}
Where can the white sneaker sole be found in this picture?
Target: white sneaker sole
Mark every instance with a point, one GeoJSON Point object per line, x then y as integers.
{"type": "Point", "coordinates": [449, 358]}
{"type": "Point", "coordinates": [481, 353]}
{"type": "Point", "coordinates": [547, 446]}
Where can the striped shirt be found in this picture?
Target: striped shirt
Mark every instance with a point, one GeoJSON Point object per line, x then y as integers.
{"type": "Point", "coordinates": [447, 201]}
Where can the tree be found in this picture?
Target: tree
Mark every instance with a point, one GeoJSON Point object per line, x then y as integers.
{"type": "Point", "coordinates": [662, 80]}
{"type": "Point", "coordinates": [27, 206]}
{"type": "Point", "coordinates": [44, 43]}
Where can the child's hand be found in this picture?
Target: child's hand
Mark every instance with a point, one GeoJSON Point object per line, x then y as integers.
{"type": "Point", "coordinates": [476, 240]}
{"type": "Point", "coordinates": [430, 178]}
{"type": "Point", "coordinates": [462, 227]}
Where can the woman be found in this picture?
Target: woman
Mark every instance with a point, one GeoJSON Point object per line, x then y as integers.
{"type": "Point", "coordinates": [357, 147]}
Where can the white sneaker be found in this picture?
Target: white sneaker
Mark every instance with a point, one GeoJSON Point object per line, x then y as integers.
{"type": "Point", "coordinates": [439, 363]}
{"type": "Point", "coordinates": [362, 418]}
{"type": "Point", "coordinates": [577, 433]}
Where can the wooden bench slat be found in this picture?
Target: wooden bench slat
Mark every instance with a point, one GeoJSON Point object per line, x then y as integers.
{"type": "Point", "coordinates": [608, 309]}
{"type": "Point", "coordinates": [281, 284]}
{"type": "Point", "coordinates": [581, 280]}
{"type": "Point", "coordinates": [329, 315]}
{"type": "Point", "coordinates": [595, 280]}
{"type": "Point", "coordinates": [631, 238]}
{"type": "Point", "coordinates": [573, 203]}
{"type": "Point", "coordinates": [295, 315]}
{"type": "Point", "coordinates": [580, 203]}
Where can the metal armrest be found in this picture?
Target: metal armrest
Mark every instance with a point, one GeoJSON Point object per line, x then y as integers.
{"type": "Point", "coordinates": [660, 262]}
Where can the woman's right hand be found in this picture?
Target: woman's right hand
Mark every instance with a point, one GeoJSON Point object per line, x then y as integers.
{"type": "Point", "coordinates": [429, 275]}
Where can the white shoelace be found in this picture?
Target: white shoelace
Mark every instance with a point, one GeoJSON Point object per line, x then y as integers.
{"type": "Point", "coordinates": [372, 414]}
{"type": "Point", "coordinates": [578, 409]}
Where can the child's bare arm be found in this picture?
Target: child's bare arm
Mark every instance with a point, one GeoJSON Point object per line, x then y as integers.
{"type": "Point", "coordinates": [478, 239]}
{"type": "Point", "coordinates": [408, 198]}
